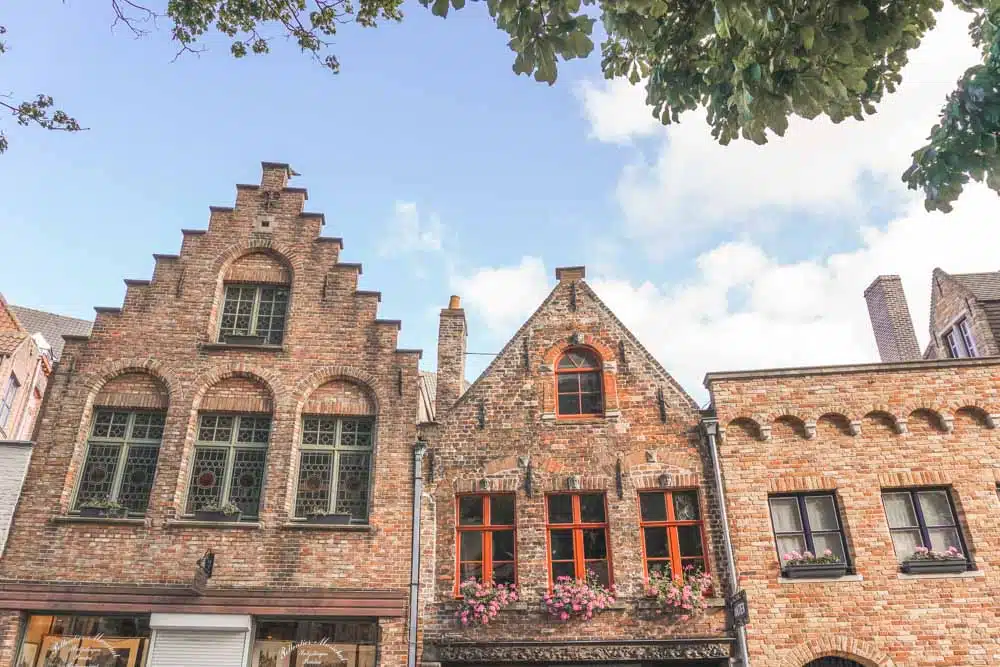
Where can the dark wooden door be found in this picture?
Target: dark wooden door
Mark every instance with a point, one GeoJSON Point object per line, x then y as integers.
{"type": "Point", "coordinates": [833, 662]}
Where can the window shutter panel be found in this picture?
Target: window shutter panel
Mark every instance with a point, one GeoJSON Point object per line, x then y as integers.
{"type": "Point", "coordinates": [184, 648]}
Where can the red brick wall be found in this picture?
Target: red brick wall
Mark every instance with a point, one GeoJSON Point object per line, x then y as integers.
{"type": "Point", "coordinates": [880, 617]}
{"type": "Point", "coordinates": [517, 427]}
{"type": "Point", "coordinates": [332, 334]}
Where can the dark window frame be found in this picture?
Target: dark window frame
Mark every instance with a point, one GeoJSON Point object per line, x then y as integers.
{"type": "Point", "coordinates": [807, 532]}
{"type": "Point", "coordinates": [922, 522]}
{"type": "Point", "coordinates": [486, 528]}
{"type": "Point", "coordinates": [255, 314]}
{"type": "Point", "coordinates": [596, 369]}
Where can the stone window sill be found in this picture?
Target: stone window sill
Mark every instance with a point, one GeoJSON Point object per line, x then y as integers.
{"type": "Point", "coordinates": [345, 528]}
{"type": "Point", "coordinates": [193, 523]}
{"type": "Point", "coordinates": [74, 518]}
{"type": "Point", "coordinates": [649, 604]}
{"type": "Point", "coordinates": [968, 574]}
{"type": "Point", "coordinates": [236, 346]}
{"type": "Point", "coordinates": [846, 579]}
{"type": "Point", "coordinates": [549, 418]}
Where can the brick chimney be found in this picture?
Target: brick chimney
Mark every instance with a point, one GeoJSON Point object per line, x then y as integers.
{"type": "Point", "coordinates": [891, 321]}
{"type": "Point", "coordinates": [452, 333]}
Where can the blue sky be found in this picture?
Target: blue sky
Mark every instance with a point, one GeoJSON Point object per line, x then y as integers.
{"type": "Point", "coordinates": [428, 135]}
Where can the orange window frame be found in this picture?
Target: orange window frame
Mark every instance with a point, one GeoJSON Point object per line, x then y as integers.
{"type": "Point", "coordinates": [577, 526]}
{"type": "Point", "coordinates": [595, 368]}
{"type": "Point", "coordinates": [487, 528]}
{"type": "Point", "coordinates": [673, 540]}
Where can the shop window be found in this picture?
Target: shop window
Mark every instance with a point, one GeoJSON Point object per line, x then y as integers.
{"type": "Point", "coordinates": [486, 538]}
{"type": "Point", "coordinates": [672, 535]}
{"type": "Point", "coordinates": [578, 383]}
{"type": "Point", "coordinates": [121, 457]}
{"type": "Point", "coordinates": [335, 467]}
{"type": "Point", "coordinates": [922, 518]}
{"type": "Point", "coordinates": [807, 522]}
{"type": "Point", "coordinates": [104, 641]}
{"type": "Point", "coordinates": [577, 526]}
{"type": "Point", "coordinates": [254, 314]}
{"type": "Point", "coordinates": [290, 643]}
{"type": "Point", "coordinates": [230, 456]}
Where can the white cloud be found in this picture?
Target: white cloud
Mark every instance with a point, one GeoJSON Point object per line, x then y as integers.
{"type": "Point", "coordinates": [692, 186]}
{"type": "Point", "coordinates": [801, 313]}
{"type": "Point", "coordinates": [503, 297]}
{"type": "Point", "coordinates": [410, 232]}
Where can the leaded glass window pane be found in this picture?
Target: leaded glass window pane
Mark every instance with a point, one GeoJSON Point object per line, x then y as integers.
{"type": "Point", "coordinates": [207, 478]}
{"type": "Point", "coordinates": [339, 479]}
{"type": "Point", "coordinates": [247, 481]}
{"type": "Point", "coordinates": [137, 478]}
{"type": "Point", "coordinates": [121, 459]}
{"type": "Point", "coordinates": [254, 310]}
{"type": "Point", "coordinates": [314, 483]}
{"type": "Point", "coordinates": [229, 463]}
{"type": "Point", "coordinates": [98, 473]}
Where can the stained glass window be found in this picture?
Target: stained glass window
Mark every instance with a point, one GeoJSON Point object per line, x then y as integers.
{"type": "Point", "coordinates": [254, 310]}
{"type": "Point", "coordinates": [120, 463]}
{"type": "Point", "coordinates": [229, 462]}
{"type": "Point", "coordinates": [335, 467]}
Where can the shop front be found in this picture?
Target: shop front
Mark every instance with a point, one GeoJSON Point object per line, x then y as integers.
{"type": "Point", "coordinates": [64, 626]}
{"type": "Point", "coordinates": [186, 640]}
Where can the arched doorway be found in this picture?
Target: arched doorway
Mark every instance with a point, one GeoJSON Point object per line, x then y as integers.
{"type": "Point", "coordinates": [833, 662]}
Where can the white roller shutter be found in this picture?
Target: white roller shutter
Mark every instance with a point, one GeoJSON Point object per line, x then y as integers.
{"type": "Point", "coordinates": [206, 648]}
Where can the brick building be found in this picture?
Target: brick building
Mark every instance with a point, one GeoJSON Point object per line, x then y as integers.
{"type": "Point", "coordinates": [25, 366]}
{"type": "Point", "coordinates": [223, 474]}
{"type": "Point", "coordinates": [877, 463]}
{"type": "Point", "coordinates": [964, 317]}
{"type": "Point", "coordinates": [574, 452]}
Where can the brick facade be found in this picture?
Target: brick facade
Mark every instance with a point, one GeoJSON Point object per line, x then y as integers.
{"type": "Point", "coordinates": [856, 431]}
{"type": "Point", "coordinates": [505, 427]}
{"type": "Point", "coordinates": [160, 351]}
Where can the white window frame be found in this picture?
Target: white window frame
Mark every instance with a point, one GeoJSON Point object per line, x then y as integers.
{"type": "Point", "coordinates": [7, 401]}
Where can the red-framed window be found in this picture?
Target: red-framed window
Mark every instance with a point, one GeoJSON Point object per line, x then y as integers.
{"type": "Point", "coordinates": [486, 538]}
{"type": "Point", "coordinates": [672, 532]}
{"type": "Point", "coordinates": [579, 387]}
{"type": "Point", "coordinates": [577, 527]}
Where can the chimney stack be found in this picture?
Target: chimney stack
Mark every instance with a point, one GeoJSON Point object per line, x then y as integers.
{"type": "Point", "coordinates": [452, 333]}
{"type": "Point", "coordinates": [891, 323]}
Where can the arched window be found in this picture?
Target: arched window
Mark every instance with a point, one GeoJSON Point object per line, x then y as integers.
{"type": "Point", "coordinates": [255, 300]}
{"type": "Point", "coordinates": [578, 384]}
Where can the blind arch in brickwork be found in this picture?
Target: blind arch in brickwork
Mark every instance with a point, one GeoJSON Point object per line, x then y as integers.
{"type": "Point", "coordinates": [861, 652]}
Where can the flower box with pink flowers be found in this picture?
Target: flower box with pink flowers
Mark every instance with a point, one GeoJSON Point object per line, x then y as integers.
{"type": "Point", "coordinates": [482, 601]}
{"type": "Point", "coordinates": [807, 565]}
{"type": "Point", "coordinates": [681, 597]}
{"type": "Point", "coordinates": [577, 598]}
{"type": "Point", "coordinates": [928, 561]}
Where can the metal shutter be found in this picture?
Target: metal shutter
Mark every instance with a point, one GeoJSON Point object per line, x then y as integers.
{"type": "Point", "coordinates": [184, 648]}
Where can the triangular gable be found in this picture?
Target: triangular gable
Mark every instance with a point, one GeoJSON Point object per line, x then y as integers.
{"type": "Point", "coordinates": [583, 288]}
{"type": "Point", "coordinates": [8, 320]}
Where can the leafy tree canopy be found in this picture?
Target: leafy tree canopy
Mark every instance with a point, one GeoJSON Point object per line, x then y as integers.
{"type": "Point", "coordinates": [751, 64]}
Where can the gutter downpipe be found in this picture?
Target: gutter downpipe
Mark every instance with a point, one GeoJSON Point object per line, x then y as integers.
{"type": "Point", "coordinates": [419, 449]}
{"type": "Point", "coordinates": [710, 425]}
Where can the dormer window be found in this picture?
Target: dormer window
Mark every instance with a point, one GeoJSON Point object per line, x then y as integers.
{"type": "Point", "coordinates": [254, 314]}
{"type": "Point", "coordinates": [959, 340]}
{"type": "Point", "coordinates": [578, 383]}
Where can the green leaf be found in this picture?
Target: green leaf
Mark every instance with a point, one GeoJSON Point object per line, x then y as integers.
{"type": "Point", "coordinates": [808, 34]}
{"type": "Point", "coordinates": [440, 8]}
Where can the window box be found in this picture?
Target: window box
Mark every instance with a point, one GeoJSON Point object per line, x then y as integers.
{"type": "Point", "coordinates": [815, 571]}
{"type": "Point", "coordinates": [235, 339]}
{"type": "Point", "coordinates": [104, 512]}
{"type": "Point", "coordinates": [216, 515]}
{"type": "Point", "coordinates": [931, 566]}
{"type": "Point", "coordinates": [329, 519]}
